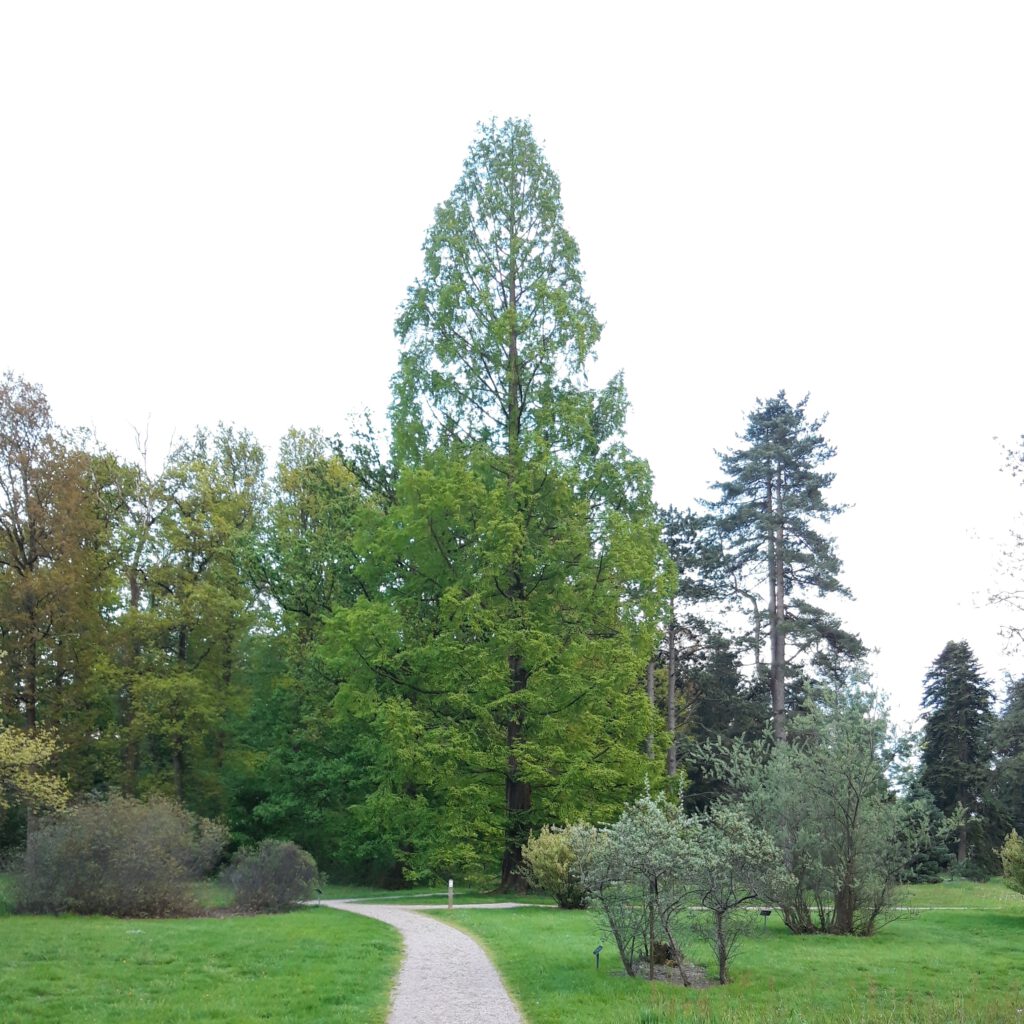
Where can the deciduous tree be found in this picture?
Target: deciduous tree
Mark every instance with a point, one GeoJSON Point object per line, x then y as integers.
{"type": "Point", "coordinates": [511, 590]}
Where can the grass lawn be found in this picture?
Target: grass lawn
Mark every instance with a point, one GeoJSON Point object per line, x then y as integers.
{"type": "Point", "coordinates": [949, 966]}
{"type": "Point", "coordinates": [429, 894]}
{"type": "Point", "coordinates": [962, 965]}
{"type": "Point", "coordinates": [308, 966]}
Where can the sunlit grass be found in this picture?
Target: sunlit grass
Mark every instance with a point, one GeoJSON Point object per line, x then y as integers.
{"type": "Point", "coordinates": [936, 966]}
{"type": "Point", "coordinates": [307, 966]}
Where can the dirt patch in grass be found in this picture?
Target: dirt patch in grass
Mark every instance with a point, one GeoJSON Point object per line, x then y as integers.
{"type": "Point", "coordinates": [690, 975]}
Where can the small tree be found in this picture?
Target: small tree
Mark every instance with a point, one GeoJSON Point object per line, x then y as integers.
{"type": "Point", "coordinates": [549, 863]}
{"type": "Point", "coordinates": [826, 800]}
{"type": "Point", "coordinates": [633, 873]}
{"type": "Point", "coordinates": [1012, 856]}
{"type": "Point", "coordinates": [730, 864]}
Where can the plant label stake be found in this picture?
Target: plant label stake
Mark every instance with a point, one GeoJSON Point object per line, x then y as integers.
{"type": "Point", "coordinates": [597, 957]}
{"type": "Point", "coordinates": [451, 893]}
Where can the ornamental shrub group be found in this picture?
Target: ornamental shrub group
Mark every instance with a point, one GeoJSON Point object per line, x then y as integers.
{"type": "Point", "coordinates": [271, 876]}
{"type": "Point", "coordinates": [121, 857]}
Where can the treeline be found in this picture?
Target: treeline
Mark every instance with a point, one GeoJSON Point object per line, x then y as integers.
{"type": "Point", "coordinates": [407, 654]}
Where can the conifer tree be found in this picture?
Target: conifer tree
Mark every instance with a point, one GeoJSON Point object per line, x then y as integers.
{"type": "Point", "coordinates": [510, 590]}
{"type": "Point", "coordinates": [772, 557]}
{"type": "Point", "coordinates": [957, 754]}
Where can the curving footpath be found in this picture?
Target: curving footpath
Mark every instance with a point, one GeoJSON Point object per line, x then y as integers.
{"type": "Point", "coordinates": [445, 978]}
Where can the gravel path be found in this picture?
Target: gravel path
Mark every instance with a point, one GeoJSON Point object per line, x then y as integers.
{"type": "Point", "coordinates": [446, 978]}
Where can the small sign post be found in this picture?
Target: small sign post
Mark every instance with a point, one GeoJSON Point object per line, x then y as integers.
{"type": "Point", "coordinates": [597, 957]}
{"type": "Point", "coordinates": [451, 893]}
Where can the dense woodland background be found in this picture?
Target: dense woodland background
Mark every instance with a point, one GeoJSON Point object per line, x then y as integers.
{"type": "Point", "coordinates": [407, 653]}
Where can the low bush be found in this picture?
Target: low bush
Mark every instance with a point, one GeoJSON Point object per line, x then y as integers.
{"type": "Point", "coordinates": [1012, 856]}
{"type": "Point", "coordinates": [549, 863]}
{"type": "Point", "coordinates": [121, 857]}
{"type": "Point", "coordinates": [271, 876]}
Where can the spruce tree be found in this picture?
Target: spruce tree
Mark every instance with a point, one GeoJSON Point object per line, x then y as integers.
{"type": "Point", "coordinates": [957, 752]}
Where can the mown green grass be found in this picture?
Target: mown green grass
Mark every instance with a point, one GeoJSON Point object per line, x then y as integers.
{"type": "Point", "coordinates": [938, 966]}
{"type": "Point", "coordinates": [309, 966]}
{"type": "Point", "coordinates": [428, 894]}
{"type": "Point", "coordinates": [964, 895]}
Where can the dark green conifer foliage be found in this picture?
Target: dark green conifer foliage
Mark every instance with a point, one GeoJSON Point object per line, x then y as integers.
{"type": "Point", "coordinates": [772, 555]}
{"type": "Point", "coordinates": [1007, 795]}
{"type": "Point", "coordinates": [957, 755]}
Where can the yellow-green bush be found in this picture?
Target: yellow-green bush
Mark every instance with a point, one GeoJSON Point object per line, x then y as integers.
{"type": "Point", "coordinates": [549, 863]}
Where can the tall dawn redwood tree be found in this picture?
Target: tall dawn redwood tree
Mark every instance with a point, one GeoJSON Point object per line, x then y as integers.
{"type": "Point", "coordinates": [773, 557]}
{"type": "Point", "coordinates": [510, 590]}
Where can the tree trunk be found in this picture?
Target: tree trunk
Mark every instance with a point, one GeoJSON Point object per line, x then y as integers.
{"type": "Point", "coordinates": [721, 949]}
{"type": "Point", "coordinates": [777, 612]}
{"type": "Point", "coordinates": [843, 923]}
{"type": "Point", "coordinates": [178, 764]}
{"type": "Point", "coordinates": [517, 792]}
{"type": "Point", "coordinates": [650, 934]}
{"type": "Point", "coordinates": [650, 697]}
{"type": "Point", "coordinates": [671, 697]}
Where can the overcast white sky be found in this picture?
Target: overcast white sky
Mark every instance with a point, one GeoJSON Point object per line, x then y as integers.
{"type": "Point", "coordinates": [210, 211]}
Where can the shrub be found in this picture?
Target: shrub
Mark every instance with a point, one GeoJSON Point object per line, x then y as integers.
{"type": "Point", "coordinates": [655, 872]}
{"type": "Point", "coordinates": [633, 872]}
{"type": "Point", "coordinates": [549, 863]}
{"type": "Point", "coordinates": [273, 875]}
{"type": "Point", "coordinates": [121, 857]}
{"type": "Point", "coordinates": [825, 799]}
{"type": "Point", "coordinates": [1012, 856]}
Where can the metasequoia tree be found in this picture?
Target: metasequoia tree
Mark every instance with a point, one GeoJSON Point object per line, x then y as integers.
{"type": "Point", "coordinates": [772, 556]}
{"type": "Point", "coordinates": [510, 590]}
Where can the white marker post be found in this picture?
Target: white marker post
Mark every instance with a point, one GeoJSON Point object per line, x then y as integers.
{"type": "Point", "coordinates": [451, 893]}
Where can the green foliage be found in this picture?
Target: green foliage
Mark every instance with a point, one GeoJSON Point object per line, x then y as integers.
{"type": "Point", "coordinates": [634, 874]}
{"type": "Point", "coordinates": [1006, 793]}
{"type": "Point", "coordinates": [1012, 856]}
{"type": "Point", "coordinates": [549, 863]}
{"type": "Point", "coordinates": [766, 554]}
{"type": "Point", "coordinates": [957, 748]}
{"type": "Point", "coordinates": [271, 876]}
{"type": "Point", "coordinates": [825, 798]}
{"type": "Point", "coordinates": [25, 777]}
{"type": "Point", "coordinates": [730, 863]}
{"type": "Point", "coordinates": [120, 857]}
{"type": "Point", "coordinates": [510, 583]}
{"type": "Point", "coordinates": [649, 870]}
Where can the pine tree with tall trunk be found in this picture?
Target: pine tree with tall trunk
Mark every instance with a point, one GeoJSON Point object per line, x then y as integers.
{"type": "Point", "coordinates": [772, 556]}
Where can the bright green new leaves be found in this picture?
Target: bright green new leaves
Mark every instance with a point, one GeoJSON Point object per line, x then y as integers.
{"type": "Point", "coordinates": [511, 584]}
{"type": "Point", "coordinates": [26, 776]}
{"type": "Point", "coordinates": [1012, 856]}
{"type": "Point", "coordinates": [497, 331]}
